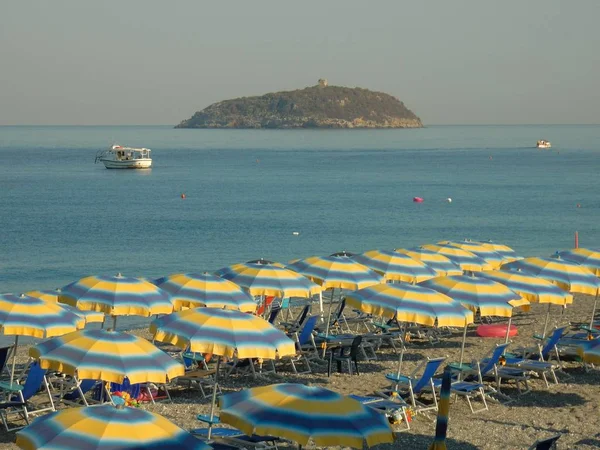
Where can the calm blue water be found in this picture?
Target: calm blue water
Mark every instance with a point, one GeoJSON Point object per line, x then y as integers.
{"type": "Point", "coordinates": [64, 217]}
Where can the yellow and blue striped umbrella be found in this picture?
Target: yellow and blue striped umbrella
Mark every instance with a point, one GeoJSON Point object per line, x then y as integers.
{"type": "Point", "coordinates": [566, 274]}
{"type": "Point", "coordinates": [52, 297]}
{"type": "Point", "coordinates": [463, 258]}
{"type": "Point", "coordinates": [587, 257]}
{"type": "Point", "coordinates": [395, 266]}
{"type": "Point", "coordinates": [410, 303]}
{"type": "Point", "coordinates": [487, 296]}
{"type": "Point", "coordinates": [117, 296]}
{"type": "Point", "coordinates": [23, 315]}
{"type": "Point", "coordinates": [440, 263]}
{"type": "Point", "coordinates": [268, 279]}
{"type": "Point", "coordinates": [108, 356]}
{"type": "Point", "coordinates": [336, 272]}
{"type": "Point", "coordinates": [105, 427]}
{"type": "Point", "coordinates": [490, 256]}
{"type": "Point", "coordinates": [530, 287]}
{"type": "Point", "coordinates": [504, 250]}
{"type": "Point", "coordinates": [190, 290]}
{"type": "Point", "coordinates": [305, 413]}
{"type": "Point", "coordinates": [223, 332]}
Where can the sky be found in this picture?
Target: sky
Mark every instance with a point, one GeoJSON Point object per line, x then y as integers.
{"type": "Point", "coordinates": [156, 62]}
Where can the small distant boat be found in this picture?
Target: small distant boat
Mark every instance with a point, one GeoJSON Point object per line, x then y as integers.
{"type": "Point", "coordinates": [543, 144]}
{"type": "Point", "coordinates": [119, 157]}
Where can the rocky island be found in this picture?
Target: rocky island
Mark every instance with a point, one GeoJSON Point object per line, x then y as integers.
{"type": "Point", "coordinates": [320, 106]}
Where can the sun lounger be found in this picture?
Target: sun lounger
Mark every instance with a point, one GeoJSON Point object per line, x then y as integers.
{"type": "Point", "coordinates": [391, 408]}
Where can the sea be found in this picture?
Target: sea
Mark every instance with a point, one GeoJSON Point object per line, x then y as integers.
{"type": "Point", "coordinates": [219, 197]}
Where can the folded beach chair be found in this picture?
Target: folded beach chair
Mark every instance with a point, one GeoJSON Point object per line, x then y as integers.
{"type": "Point", "coordinates": [17, 397]}
{"type": "Point", "coordinates": [73, 391]}
{"type": "Point", "coordinates": [412, 386]}
{"type": "Point", "coordinates": [395, 410]}
{"type": "Point", "coordinates": [233, 436]}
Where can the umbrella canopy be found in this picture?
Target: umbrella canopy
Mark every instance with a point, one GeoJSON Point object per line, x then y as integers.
{"type": "Point", "coordinates": [504, 250]}
{"type": "Point", "coordinates": [117, 296]}
{"type": "Point", "coordinates": [268, 279]}
{"type": "Point", "coordinates": [440, 263]}
{"type": "Point", "coordinates": [23, 315]}
{"type": "Point", "coordinates": [191, 290]}
{"type": "Point", "coordinates": [336, 272]}
{"type": "Point", "coordinates": [410, 303]}
{"type": "Point", "coordinates": [304, 413]}
{"type": "Point", "coordinates": [105, 427]}
{"type": "Point", "coordinates": [395, 266]}
{"type": "Point", "coordinates": [566, 274]}
{"type": "Point", "coordinates": [463, 258]}
{"type": "Point", "coordinates": [52, 297]}
{"type": "Point", "coordinates": [589, 258]}
{"type": "Point", "coordinates": [530, 287]}
{"type": "Point", "coordinates": [223, 332]}
{"type": "Point", "coordinates": [487, 296]}
{"type": "Point", "coordinates": [490, 256]}
{"type": "Point", "coordinates": [108, 356]}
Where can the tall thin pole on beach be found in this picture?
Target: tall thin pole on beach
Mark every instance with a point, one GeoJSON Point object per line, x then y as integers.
{"type": "Point", "coordinates": [14, 360]}
{"type": "Point", "coordinates": [594, 309]}
{"type": "Point", "coordinates": [508, 330]}
{"type": "Point", "coordinates": [328, 321]}
{"type": "Point", "coordinates": [462, 347]}
{"type": "Point", "coordinates": [214, 398]}
{"type": "Point", "coordinates": [546, 322]}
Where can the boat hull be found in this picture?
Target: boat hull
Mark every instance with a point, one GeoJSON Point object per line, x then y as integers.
{"type": "Point", "coordinates": [128, 164]}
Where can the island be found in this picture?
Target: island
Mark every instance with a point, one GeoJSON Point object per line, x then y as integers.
{"type": "Point", "coordinates": [320, 106]}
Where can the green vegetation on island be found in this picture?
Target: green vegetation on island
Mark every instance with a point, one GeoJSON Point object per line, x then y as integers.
{"type": "Point", "coordinates": [319, 106]}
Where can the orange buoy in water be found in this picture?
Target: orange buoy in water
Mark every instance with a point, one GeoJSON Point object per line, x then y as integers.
{"type": "Point", "coordinates": [182, 195]}
{"type": "Point", "coordinates": [417, 200]}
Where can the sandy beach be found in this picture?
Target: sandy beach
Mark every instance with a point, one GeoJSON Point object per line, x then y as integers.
{"type": "Point", "coordinates": [571, 408]}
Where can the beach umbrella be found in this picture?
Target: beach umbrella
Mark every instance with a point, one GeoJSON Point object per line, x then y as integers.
{"type": "Point", "coordinates": [441, 426]}
{"type": "Point", "coordinates": [440, 263]}
{"type": "Point", "coordinates": [107, 356]}
{"type": "Point", "coordinates": [305, 413]}
{"type": "Point", "coordinates": [409, 303]}
{"type": "Point", "coordinates": [589, 258]}
{"type": "Point", "coordinates": [190, 290]}
{"type": "Point", "coordinates": [464, 259]}
{"type": "Point", "coordinates": [504, 250]}
{"type": "Point", "coordinates": [269, 279]}
{"type": "Point", "coordinates": [395, 266]}
{"type": "Point", "coordinates": [487, 254]}
{"type": "Point", "coordinates": [331, 272]}
{"type": "Point", "coordinates": [106, 427]}
{"type": "Point", "coordinates": [52, 297]}
{"type": "Point", "coordinates": [414, 304]}
{"type": "Point", "coordinates": [566, 274]}
{"type": "Point", "coordinates": [531, 288]}
{"type": "Point", "coordinates": [478, 294]}
{"type": "Point", "coordinates": [117, 296]}
{"type": "Point", "coordinates": [222, 332]}
{"type": "Point", "coordinates": [23, 315]}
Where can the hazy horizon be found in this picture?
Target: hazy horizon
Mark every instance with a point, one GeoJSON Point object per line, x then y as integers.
{"type": "Point", "coordinates": [151, 63]}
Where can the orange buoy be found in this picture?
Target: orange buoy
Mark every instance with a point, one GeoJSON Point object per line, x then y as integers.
{"type": "Point", "coordinates": [182, 195]}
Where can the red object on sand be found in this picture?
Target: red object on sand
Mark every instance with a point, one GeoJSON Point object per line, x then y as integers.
{"type": "Point", "coordinates": [497, 330]}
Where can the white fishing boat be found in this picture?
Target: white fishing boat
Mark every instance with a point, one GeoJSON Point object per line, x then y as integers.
{"type": "Point", "coordinates": [543, 144]}
{"type": "Point", "coordinates": [119, 157]}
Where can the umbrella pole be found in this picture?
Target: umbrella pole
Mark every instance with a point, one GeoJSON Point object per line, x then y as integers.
{"type": "Point", "coordinates": [14, 360]}
{"type": "Point", "coordinates": [214, 399]}
{"type": "Point", "coordinates": [321, 302]}
{"type": "Point", "coordinates": [462, 347]}
{"type": "Point", "coordinates": [328, 320]}
{"type": "Point", "coordinates": [114, 323]}
{"type": "Point", "coordinates": [546, 322]}
{"type": "Point", "coordinates": [508, 330]}
{"type": "Point", "coordinates": [594, 310]}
